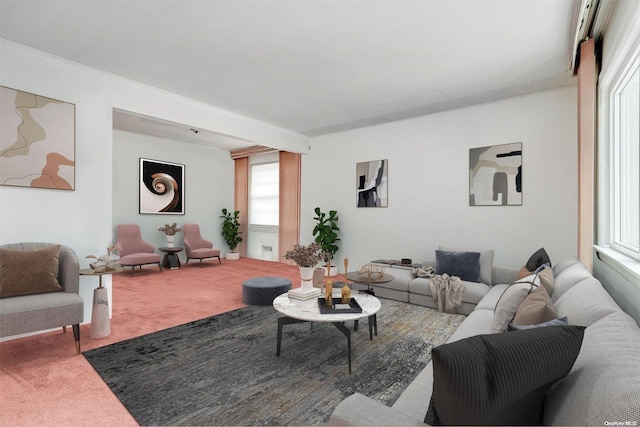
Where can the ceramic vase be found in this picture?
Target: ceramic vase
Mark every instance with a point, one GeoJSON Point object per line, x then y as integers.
{"type": "Point", "coordinates": [306, 276]}
{"type": "Point", "coordinates": [170, 241]}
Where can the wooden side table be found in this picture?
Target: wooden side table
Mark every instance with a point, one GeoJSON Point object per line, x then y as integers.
{"type": "Point", "coordinates": [100, 323]}
{"type": "Point", "coordinates": [170, 258]}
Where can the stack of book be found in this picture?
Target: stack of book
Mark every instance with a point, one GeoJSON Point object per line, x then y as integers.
{"type": "Point", "coordinates": [304, 294]}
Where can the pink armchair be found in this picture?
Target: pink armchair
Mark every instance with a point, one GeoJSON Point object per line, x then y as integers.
{"type": "Point", "coordinates": [133, 250]}
{"type": "Point", "coordinates": [196, 246]}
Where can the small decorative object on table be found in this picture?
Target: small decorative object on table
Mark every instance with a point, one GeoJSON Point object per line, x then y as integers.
{"type": "Point", "coordinates": [371, 270]}
{"type": "Point", "coordinates": [346, 291]}
{"type": "Point", "coordinates": [170, 231]}
{"type": "Point", "coordinates": [104, 263]}
{"type": "Point", "coordinates": [328, 293]}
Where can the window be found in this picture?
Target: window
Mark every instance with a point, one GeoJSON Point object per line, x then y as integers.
{"type": "Point", "coordinates": [264, 194]}
{"type": "Point", "coordinates": [625, 158]}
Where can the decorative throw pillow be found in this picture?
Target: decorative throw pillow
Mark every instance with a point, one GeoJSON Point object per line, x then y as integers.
{"type": "Point", "coordinates": [26, 272]}
{"type": "Point", "coordinates": [544, 272]}
{"type": "Point", "coordinates": [555, 322]}
{"type": "Point", "coordinates": [536, 308]}
{"type": "Point", "coordinates": [538, 258]}
{"type": "Point", "coordinates": [547, 279]}
{"type": "Point", "coordinates": [491, 380]}
{"type": "Point", "coordinates": [523, 273]}
{"type": "Point", "coordinates": [510, 301]}
{"type": "Point", "coordinates": [486, 262]}
{"type": "Point", "coordinates": [465, 265]}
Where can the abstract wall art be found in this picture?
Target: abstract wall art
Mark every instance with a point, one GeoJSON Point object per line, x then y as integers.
{"type": "Point", "coordinates": [371, 184]}
{"type": "Point", "coordinates": [37, 141]}
{"type": "Point", "coordinates": [495, 175]}
{"type": "Point", "coordinates": [161, 187]}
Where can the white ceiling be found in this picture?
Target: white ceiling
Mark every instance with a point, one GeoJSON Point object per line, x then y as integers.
{"type": "Point", "coordinates": [312, 66]}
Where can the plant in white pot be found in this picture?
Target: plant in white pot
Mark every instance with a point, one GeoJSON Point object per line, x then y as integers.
{"type": "Point", "coordinates": [231, 232]}
{"type": "Point", "coordinates": [170, 231]}
{"type": "Point", "coordinates": [306, 257]}
{"type": "Point", "coordinates": [326, 235]}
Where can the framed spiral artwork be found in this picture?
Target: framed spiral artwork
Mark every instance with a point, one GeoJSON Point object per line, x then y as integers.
{"type": "Point", "coordinates": [161, 187]}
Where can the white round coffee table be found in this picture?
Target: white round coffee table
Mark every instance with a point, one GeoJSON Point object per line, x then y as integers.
{"type": "Point", "coordinates": [297, 311]}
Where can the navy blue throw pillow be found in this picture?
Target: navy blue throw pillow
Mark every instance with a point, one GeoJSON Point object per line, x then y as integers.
{"type": "Point", "coordinates": [555, 322]}
{"type": "Point", "coordinates": [465, 265]}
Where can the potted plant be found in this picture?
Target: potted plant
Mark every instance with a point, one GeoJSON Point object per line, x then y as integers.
{"type": "Point", "coordinates": [325, 234]}
{"type": "Point", "coordinates": [170, 231]}
{"type": "Point", "coordinates": [231, 232]}
{"type": "Point", "coordinates": [306, 257]}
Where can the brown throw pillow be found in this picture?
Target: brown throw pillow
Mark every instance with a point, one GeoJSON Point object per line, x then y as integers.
{"type": "Point", "coordinates": [547, 279]}
{"type": "Point", "coordinates": [26, 272]}
{"type": "Point", "coordinates": [523, 273]}
{"type": "Point", "coordinates": [536, 308]}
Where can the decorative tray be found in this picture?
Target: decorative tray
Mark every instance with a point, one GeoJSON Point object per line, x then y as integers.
{"type": "Point", "coordinates": [338, 308]}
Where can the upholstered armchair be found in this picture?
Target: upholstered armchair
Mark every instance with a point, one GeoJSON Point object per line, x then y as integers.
{"type": "Point", "coordinates": [39, 289]}
{"type": "Point", "coordinates": [196, 246]}
{"type": "Point", "coordinates": [134, 251]}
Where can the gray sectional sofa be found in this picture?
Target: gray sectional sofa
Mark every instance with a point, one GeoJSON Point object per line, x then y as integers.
{"type": "Point", "coordinates": [602, 388]}
{"type": "Point", "coordinates": [406, 287]}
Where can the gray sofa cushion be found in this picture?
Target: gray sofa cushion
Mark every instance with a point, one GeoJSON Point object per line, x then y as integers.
{"type": "Point", "coordinates": [564, 264]}
{"type": "Point", "coordinates": [486, 262]}
{"type": "Point", "coordinates": [360, 410]}
{"type": "Point", "coordinates": [489, 301]}
{"type": "Point", "coordinates": [603, 384]}
{"type": "Point", "coordinates": [569, 277]}
{"type": "Point", "coordinates": [586, 303]}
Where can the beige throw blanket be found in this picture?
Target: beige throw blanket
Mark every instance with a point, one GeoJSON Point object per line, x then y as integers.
{"type": "Point", "coordinates": [446, 290]}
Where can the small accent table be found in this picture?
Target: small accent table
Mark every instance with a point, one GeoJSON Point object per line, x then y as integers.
{"type": "Point", "coordinates": [100, 323]}
{"type": "Point", "coordinates": [297, 311]}
{"type": "Point", "coordinates": [170, 258]}
{"type": "Point", "coordinates": [364, 279]}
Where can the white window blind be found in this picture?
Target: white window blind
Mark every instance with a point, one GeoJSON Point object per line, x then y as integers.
{"type": "Point", "coordinates": [264, 194]}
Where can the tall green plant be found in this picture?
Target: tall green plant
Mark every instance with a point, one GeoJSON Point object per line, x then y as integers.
{"type": "Point", "coordinates": [231, 229]}
{"type": "Point", "coordinates": [325, 232]}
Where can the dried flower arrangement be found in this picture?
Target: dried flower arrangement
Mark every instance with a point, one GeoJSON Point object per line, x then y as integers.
{"type": "Point", "coordinates": [306, 256]}
{"type": "Point", "coordinates": [371, 270]}
{"type": "Point", "coordinates": [170, 230]}
{"type": "Point", "coordinates": [108, 262]}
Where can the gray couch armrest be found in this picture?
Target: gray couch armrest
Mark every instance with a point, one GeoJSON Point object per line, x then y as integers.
{"type": "Point", "coordinates": [69, 270]}
{"type": "Point", "coordinates": [504, 275]}
{"type": "Point", "coordinates": [360, 410]}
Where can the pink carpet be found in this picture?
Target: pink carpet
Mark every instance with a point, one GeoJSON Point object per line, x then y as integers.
{"type": "Point", "coordinates": [44, 383]}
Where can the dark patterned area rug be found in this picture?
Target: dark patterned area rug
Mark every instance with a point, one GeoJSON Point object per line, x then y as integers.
{"type": "Point", "coordinates": [223, 370]}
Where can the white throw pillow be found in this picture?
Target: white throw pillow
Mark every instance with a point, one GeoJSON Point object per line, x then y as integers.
{"type": "Point", "coordinates": [510, 301]}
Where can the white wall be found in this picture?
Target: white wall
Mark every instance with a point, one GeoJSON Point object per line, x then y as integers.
{"type": "Point", "coordinates": [82, 219]}
{"type": "Point", "coordinates": [208, 186]}
{"type": "Point", "coordinates": [429, 183]}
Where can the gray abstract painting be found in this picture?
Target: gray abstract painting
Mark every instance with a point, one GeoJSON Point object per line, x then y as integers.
{"type": "Point", "coordinates": [495, 175]}
{"type": "Point", "coordinates": [371, 184]}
